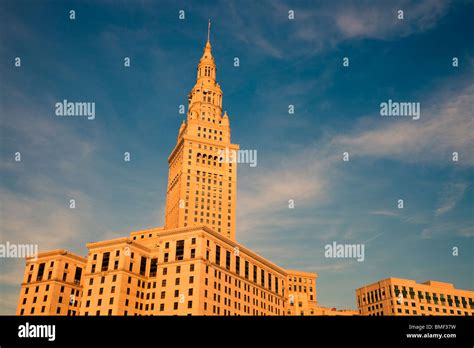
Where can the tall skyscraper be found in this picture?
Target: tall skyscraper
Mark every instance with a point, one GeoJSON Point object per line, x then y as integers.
{"type": "Point", "coordinates": [202, 185]}
{"type": "Point", "coordinates": [193, 264]}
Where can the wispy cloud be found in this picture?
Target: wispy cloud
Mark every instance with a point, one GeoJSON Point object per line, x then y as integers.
{"type": "Point", "coordinates": [444, 128]}
{"type": "Point", "coordinates": [324, 24]}
{"type": "Point", "coordinates": [448, 229]}
{"type": "Point", "coordinates": [451, 194]}
{"type": "Point", "coordinates": [379, 20]}
{"type": "Point", "coordinates": [305, 176]}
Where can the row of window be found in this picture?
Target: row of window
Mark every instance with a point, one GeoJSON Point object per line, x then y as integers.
{"type": "Point", "coordinates": [42, 267]}
{"type": "Point", "coordinates": [300, 288]}
{"type": "Point", "coordinates": [300, 280]}
{"type": "Point", "coordinates": [209, 130]}
{"type": "Point", "coordinates": [70, 312]}
{"type": "Point", "coordinates": [379, 294]}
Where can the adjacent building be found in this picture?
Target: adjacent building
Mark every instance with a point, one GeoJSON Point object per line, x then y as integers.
{"type": "Point", "coordinates": [52, 284]}
{"type": "Point", "coordinates": [395, 296]}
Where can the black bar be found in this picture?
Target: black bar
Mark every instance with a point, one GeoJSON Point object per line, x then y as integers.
{"type": "Point", "coordinates": [291, 331]}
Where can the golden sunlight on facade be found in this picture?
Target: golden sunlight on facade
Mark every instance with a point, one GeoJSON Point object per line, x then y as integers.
{"type": "Point", "coordinates": [193, 265]}
{"type": "Point", "coordinates": [52, 284]}
{"type": "Point", "coordinates": [201, 187]}
{"type": "Point", "coordinates": [394, 296]}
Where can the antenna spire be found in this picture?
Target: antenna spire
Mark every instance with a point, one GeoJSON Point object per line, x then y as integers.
{"type": "Point", "coordinates": [209, 31]}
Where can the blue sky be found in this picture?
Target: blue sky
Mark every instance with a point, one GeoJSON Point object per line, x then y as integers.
{"type": "Point", "coordinates": [282, 62]}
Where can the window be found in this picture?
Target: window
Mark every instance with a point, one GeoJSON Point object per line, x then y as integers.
{"type": "Point", "coordinates": [179, 249]}
{"type": "Point", "coordinates": [227, 260]}
{"type": "Point", "coordinates": [77, 275]}
{"type": "Point", "coordinates": [193, 253]}
{"type": "Point", "coordinates": [40, 272]}
{"type": "Point", "coordinates": [254, 274]}
{"type": "Point", "coordinates": [218, 254]}
{"type": "Point", "coordinates": [143, 265]}
{"type": "Point", "coordinates": [262, 277]}
{"type": "Point", "coordinates": [237, 265]}
{"type": "Point", "coordinates": [105, 261]}
{"type": "Point", "coordinates": [166, 257]}
{"type": "Point", "coordinates": [153, 267]}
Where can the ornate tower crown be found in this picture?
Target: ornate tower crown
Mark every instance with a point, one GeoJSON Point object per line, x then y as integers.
{"type": "Point", "coordinates": [201, 187]}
